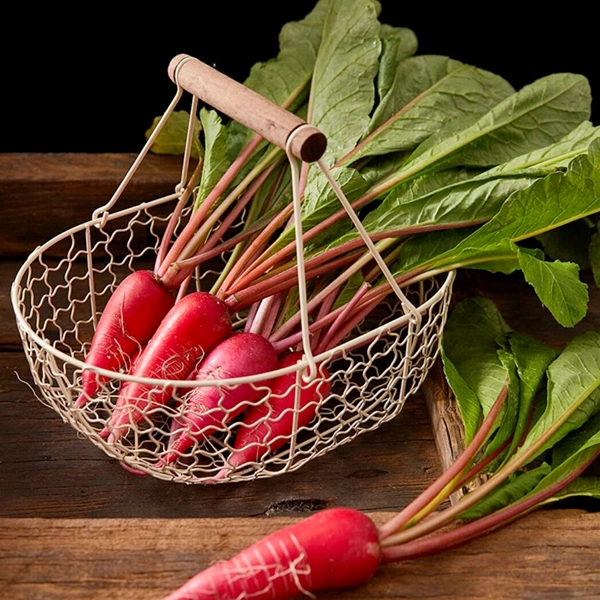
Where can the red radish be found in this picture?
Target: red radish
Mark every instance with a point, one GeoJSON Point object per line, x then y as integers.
{"type": "Point", "coordinates": [131, 316]}
{"type": "Point", "coordinates": [191, 329]}
{"type": "Point", "coordinates": [333, 549]}
{"type": "Point", "coordinates": [207, 408]}
{"type": "Point", "coordinates": [267, 426]}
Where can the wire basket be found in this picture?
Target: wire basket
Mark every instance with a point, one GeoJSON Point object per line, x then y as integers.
{"type": "Point", "coordinates": [362, 383]}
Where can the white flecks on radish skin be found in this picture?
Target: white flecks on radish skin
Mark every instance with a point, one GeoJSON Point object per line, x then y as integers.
{"type": "Point", "coordinates": [191, 329]}
{"type": "Point", "coordinates": [267, 426]}
{"type": "Point", "coordinates": [130, 318]}
{"type": "Point", "coordinates": [206, 409]}
{"type": "Point", "coordinates": [333, 549]}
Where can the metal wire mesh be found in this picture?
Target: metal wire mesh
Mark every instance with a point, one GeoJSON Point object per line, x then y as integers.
{"type": "Point", "coordinates": [59, 294]}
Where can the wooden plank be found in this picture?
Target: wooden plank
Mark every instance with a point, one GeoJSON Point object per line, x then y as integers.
{"type": "Point", "coordinates": [42, 195]}
{"type": "Point", "coordinates": [47, 470]}
{"type": "Point", "coordinates": [547, 555]}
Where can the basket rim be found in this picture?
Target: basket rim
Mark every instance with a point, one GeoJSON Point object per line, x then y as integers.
{"type": "Point", "coordinates": [347, 346]}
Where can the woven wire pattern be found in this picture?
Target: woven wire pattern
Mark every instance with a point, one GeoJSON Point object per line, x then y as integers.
{"type": "Point", "coordinates": [59, 295]}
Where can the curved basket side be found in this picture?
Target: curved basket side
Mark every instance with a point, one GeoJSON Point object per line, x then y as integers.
{"type": "Point", "coordinates": [60, 291]}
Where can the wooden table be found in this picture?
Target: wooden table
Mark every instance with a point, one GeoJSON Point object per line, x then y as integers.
{"type": "Point", "coordinates": [74, 524]}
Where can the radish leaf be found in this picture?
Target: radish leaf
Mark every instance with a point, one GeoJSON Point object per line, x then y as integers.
{"type": "Point", "coordinates": [573, 393]}
{"type": "Point", "coordinates": [428, 91]}
{"type": "Point", "coordinates": [569, 243]}
{"type": "Point", "coordinates": [560, 102]}
{"type": "Point", "coordinates": [397, 44]}
{"type": "Point", "coordinates": [558, 286]}
{"type": "Point", "coordinates": [472, 337]}
{"type": "Point", "coordinates": [171, 139]}
{"type": "Point", "coordinates": [517, 486]}
{"type": "Point", "coordinates": [466, 399]}
{"type": "Point", "coordinates": [532, 359]}
{"type": "Point", "coordinates": [215, 152]}
{"type": "Point", "coordinates": [343, 90]}
{"type": "Point", "coordinates": [581, 487]}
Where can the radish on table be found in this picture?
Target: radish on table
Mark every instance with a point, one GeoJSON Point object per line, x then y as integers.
{"type": "Point", "coordinates": [332, 549]}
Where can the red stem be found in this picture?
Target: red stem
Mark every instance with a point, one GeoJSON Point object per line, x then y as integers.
{"type": "Point", "coordinates": [348, 325]}
{"type": "Point", "coordinates": [251, 251]}
{"type": "Point", "coordinates": [342, 317]}
{"type": "Point", "coordinates": [279, 283]}
{"type": "Point", "coordinates": [480, 466]}
{"type": "Point", "coordinates": [176, 252]}
{"type": "Point", "coordinates": [433, 492]}
{"type": "Point", "coordinates": [166, 238]}
{"type": "Point", "coordinates": [450, 539]}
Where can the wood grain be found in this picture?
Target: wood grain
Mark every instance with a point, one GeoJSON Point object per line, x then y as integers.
{"type": "Point", "coordinates": [74, 524]}
{"type": "Point", "coordinates": [548, 555]}
{"type": "Point", "coordinates": [48, 471]}
{"type": "Point", "coordinates": [247, 107]}
{"type": "Point", "coordinates": [42, 195]}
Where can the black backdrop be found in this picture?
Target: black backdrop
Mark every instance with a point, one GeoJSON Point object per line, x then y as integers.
{"type": "Point", "coordinates": [92, 81]}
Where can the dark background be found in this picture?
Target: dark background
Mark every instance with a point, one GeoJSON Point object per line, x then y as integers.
{"type": "Point", "coordinates": [92, 81]}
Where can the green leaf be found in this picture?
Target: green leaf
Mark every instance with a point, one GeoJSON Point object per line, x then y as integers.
{"type": "Point", "coordinates": [216, 159]}
{"type": "Point", "coordinates": [397, 43]}
{"type": "Point", "coordinates": [472, 337]}
{"type": "Point", "coordinates": [581, 438]}
{"type": "Point", "coordinates": [462, 197]}
{"type": "Point", "coordinates": [573, 394]}
{"type": "Point", "coordinates": [425, 248]}
{"type": "Point", "coordinates": [557, 155]}
{"type": "Point", "coordinates": [343, 89]}
{"type": "Point", "coordinates": [510, 491]}
{"type": "Point", "coordinates": [577, 450]}
{"type": "Point", "coordinates": [426, 93]}
{"type": "Point", "coordinates": [535, 116]}
{"type": "Point", "coordinates": [466, 399]}
{"type": "Point", "coordinates": [379, 168]}
{"type": "Point", "coordinates": [320, 201]}
{"type": "Point", "coordinates": [172, 137]}
{"type": "Point", "coordinates": [558, 286]}
{"type": "Point", "coordinates": [285, 78]}
{"type": "Point", "coordinates": [582, 487]}
{"type": "Point", "coordinates": [550, 202]}
{"type": "Point", "coordinates": [532, 359]}
{"type": "Point", "coordinates": [510, 411]}
{"type": "Point", "coordinates": [458, 204]}
{"type": "Point", "coordinates": [569, 243]}
{"type": "Point", "coordinates": [352, 286]}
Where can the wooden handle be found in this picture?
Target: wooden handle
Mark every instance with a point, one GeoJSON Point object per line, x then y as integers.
{"type": "Point", "coordinates": [247, 107]}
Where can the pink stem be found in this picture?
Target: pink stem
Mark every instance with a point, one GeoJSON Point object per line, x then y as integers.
{"type": "Point", "coordinates": [265, 315]}
{"type": "Point", "coordinates": [324, 310]}
{"type": "Point", "coordinates": [349, 325]}
{"type": "Point", "coordinates": [166, 238]}
{"type": "Point", "coordinates": [176, 252]}
{"type": "Point", "coordinates": [253, 249]}
{"type": "Point", "coordinates": [234, 213]}
{"type": "Point", "coordinates": [251, 316]}
{"type": "Point", "coordinates": [450, 539]}
{"type": "Point", "coordinates": [280, 283]}
{"type": "Point", "coordinates": [339, 321]}
{"type": "Point", "coordinates": [433, 492]}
